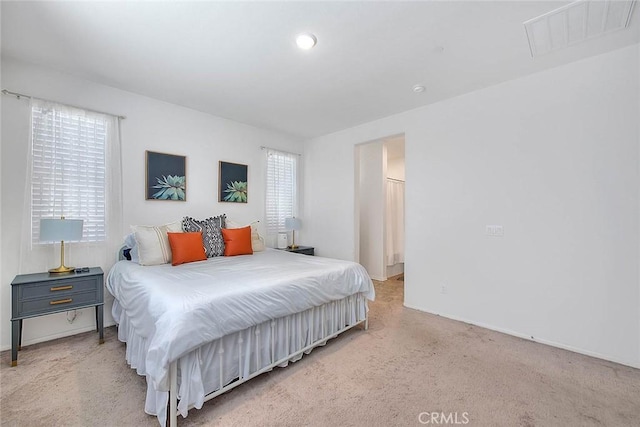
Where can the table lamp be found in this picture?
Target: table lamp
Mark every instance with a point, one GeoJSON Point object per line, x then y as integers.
{"type": "Point", "coordinates": [60, 230]}
{"type": "Point", "coordinates": [293, 224]}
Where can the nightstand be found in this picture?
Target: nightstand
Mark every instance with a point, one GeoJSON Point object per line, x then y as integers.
{"type": "Point", "coordinates": [305, 250]}
{"type": "Point", "coordinates": [34, 295]}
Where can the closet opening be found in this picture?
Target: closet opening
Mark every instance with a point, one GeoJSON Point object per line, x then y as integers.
{"type": "Point", "coordinates": [380, 182]}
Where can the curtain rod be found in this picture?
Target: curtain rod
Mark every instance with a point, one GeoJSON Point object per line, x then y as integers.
{"type": "Point", "coordinates": [262, 147]}
{"type": "Point", "coordinates": [396, 180]}
{"type": "Point", "coordinates": [21, 95]}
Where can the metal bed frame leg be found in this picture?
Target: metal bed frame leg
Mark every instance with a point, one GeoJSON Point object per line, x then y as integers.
{"type": "Point", "coordinates": [366, 315]}
{"type": "Point", "coordinates": [173, 394]}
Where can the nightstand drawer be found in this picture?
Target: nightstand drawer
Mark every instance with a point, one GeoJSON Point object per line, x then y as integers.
{"type": "Point", "coordinates": [58, 289]}
{"type": "Point", "coordinates": [56, 302]}
{"type": "Point", "coordinates": [38, 294]}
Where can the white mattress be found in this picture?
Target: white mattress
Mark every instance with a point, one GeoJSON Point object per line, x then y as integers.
{"type": "Point", "coordinates": [178, 309]}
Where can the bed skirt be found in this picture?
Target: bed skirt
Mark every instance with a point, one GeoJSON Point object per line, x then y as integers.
{"type": "Point", "coordinates": [240, 355]}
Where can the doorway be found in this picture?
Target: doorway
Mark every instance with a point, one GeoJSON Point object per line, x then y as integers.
{"type": "Point", "coordinates": [380, 181]}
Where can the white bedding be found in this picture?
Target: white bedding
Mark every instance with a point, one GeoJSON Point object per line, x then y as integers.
{"type": "Point", "coordinates": [178, 309]}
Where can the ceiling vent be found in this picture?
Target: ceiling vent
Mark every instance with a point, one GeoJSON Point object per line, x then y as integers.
{"type": "Point", "coordinates": [576, 22]}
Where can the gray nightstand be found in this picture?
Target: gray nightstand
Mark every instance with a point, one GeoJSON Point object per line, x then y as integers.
{"type": "Point", "coordinates": [305, 250]}
{"type": "Point", "coordinates": [34, 295]}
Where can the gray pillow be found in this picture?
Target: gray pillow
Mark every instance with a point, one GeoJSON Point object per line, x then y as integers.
{"type": "Point", "coordinates": [211, 229]}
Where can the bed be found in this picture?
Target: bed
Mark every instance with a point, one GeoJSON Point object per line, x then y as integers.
{"type": "Point", "coordinates": [200, 329]}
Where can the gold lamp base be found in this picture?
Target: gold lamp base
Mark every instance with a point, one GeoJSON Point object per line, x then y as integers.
{"type": "Point", "coordinates": [293, 243]}
{"type": "Point", "coordinates": [62, 270]}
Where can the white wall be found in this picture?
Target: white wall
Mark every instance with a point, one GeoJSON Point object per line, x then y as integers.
{"type": "Point", "coordinates": [554, 158]}
{"type": "Point", "coordinates": [2, 278]}
{"type": "Point", "coordinates": [395, 169]}
{"type": "Point", "coordinates": [150, 125]}
{"type": "Point", "coordinates": [372, 206]}
{"type": "Point", "coordinates": [395, 157]}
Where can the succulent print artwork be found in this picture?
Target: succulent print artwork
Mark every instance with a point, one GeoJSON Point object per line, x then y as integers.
{"type": "Point", "coordinates": [233, 182]}
{"type": "Point", "coordinates": [171, 188]}
{"type": "Point", "coordinates": [166, 177]}
{"type": "Point", "coordinates": [237, 192]}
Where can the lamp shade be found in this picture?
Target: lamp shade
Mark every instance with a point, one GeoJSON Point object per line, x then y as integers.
{"type": "Point", "coordinates": [292, 223]}
{"type": "Point", "coordinates": [57, 230]}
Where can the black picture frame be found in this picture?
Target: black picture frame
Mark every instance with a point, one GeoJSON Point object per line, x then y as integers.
{"type": "Point", "coordinates": [166, 176]}
{"type": "Point", "coordinates": [233, 182]}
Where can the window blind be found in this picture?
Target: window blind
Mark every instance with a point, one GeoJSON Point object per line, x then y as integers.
{"type": "Point", "coordinates": [282, 189]}
{"type": "Point", "coordinates": [68, 169]}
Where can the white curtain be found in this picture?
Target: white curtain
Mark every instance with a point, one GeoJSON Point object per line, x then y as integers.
{"type": "Point", "coordinates": [60, 180]}
{"type": "Point", "coordinates": [281, 199]}
{"type": "Point", "coordinates": [395, 222]}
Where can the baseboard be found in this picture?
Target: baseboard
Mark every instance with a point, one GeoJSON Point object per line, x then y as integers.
{"type": "Point", "coordinates": [530, 338]}
{"type": "Point", "coordinates": [67, 333]}
{"type": "Point", "coordinates": [394, 270]}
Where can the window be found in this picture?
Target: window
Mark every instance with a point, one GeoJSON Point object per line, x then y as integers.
{"type": "Point", "coordinates": [282, 189]}
{"type": "Point", "coordinates": [68, 169]}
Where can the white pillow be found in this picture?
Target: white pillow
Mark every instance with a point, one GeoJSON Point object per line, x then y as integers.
{"type": "Point", "coordinates": [257, 242]}
{"type": "Point", "coordinates": [153, 242]}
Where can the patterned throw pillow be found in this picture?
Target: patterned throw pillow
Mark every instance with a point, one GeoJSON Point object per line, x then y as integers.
{"type": "Point", "coordinates": [211, 229]}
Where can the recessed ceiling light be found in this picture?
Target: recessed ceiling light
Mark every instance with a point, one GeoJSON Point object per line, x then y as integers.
{"type": "Point", "coordinates": [306, 41]}
{"type": "Point", "coordinates": [418, 88]}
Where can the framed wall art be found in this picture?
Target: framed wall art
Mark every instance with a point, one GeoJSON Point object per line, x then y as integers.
{"type": "Point", "coordinates": [232, 180]}
{"type": "Point", "coordinates": [166, 176]}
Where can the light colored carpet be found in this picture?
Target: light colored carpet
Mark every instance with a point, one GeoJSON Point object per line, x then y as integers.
{"type": "Point", "coordinates": [406, 364]}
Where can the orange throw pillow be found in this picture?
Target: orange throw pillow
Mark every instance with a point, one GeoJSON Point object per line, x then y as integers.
{"type": "Point", "coordinates": [186, 247]}
{"type": "Point", "coordinates": [237, 241]}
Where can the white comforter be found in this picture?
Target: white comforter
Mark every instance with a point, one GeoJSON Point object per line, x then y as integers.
{"type": "Point", "coordinates": [177, 309]}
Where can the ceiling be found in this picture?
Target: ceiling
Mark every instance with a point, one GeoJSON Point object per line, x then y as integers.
{"type": "Point", "coordinates": [239, 60]}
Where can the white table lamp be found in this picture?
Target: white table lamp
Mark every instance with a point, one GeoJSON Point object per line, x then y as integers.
{"type": "Point", "coordinates": [61, 230]}
{"type": "Point", "coordinates": [293, 224]}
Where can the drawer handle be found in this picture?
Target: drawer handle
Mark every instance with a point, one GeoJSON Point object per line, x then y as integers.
{"type": "Point", "coordinates": [61, 301]}
{"type": "Point", "coordinates": [61, 288]}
